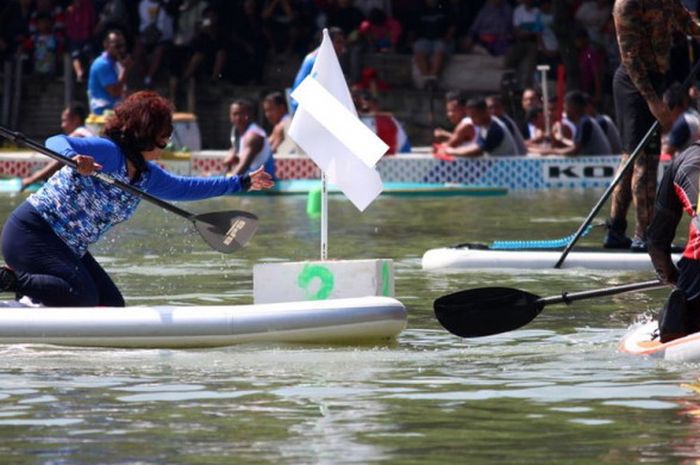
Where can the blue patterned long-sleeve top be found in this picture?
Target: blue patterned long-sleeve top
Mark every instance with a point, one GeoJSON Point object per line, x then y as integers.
{"type": "Point", "coordinates": [81, 209]}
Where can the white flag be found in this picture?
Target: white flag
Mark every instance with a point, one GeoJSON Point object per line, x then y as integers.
{"type": "Point", "coordinates": [327, 128]}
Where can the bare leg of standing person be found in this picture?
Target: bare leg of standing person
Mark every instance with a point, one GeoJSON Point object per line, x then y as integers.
{"type": "Point", "coordinates": [639, 184]}
{"type": "Point", "coordinates": [620, 204]}
{"type": "Point", "coordinates": [644, 191]}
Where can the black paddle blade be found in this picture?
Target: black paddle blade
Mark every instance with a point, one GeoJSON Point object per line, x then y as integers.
{"type": "Point", "coordinates": [226, 231]}
{"type": "Point", "coordinates": [486, 310]}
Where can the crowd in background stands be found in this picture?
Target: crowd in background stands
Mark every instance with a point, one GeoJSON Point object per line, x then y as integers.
{"type": "Point", "coordinates": [235, 37]}
{"type": "Point", "coordinates": [234, 40]}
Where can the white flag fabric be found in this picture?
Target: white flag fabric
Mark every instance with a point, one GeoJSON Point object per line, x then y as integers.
{"type": "Point", "coordinates": [327, 128]}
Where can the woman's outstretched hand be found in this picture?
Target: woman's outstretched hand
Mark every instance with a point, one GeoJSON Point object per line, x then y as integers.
{"type": "Point", "coordinates": [260, 179]}
{"type": "Point", "coordinates": [86, 165]}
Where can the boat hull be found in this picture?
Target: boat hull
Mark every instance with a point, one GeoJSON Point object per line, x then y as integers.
{"type": "Point", "coordinates": [512, 172]}
{"type": "Point", "coordinates": [479, 258]}
{"type": "Point", "coordinates": [403, 189]}
{"type": "Point", "coordinates": [329, 321]}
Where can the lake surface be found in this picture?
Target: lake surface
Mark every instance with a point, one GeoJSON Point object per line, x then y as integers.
{"type": "Point", "coordinates": [555, 392]}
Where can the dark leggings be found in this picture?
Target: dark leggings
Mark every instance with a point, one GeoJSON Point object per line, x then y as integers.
{"type": "Point", "coordinates": [634, 120]}
{"type": "Point", "coordinates": [689, 283]}
{"type": "Point", "coordinates": [48, 271]}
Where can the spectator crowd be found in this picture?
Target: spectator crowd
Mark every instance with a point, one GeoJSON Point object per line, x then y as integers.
{"type": "Point", "coordinates": [235, 39]}
{"type": "Point", "coordinates": [174, 41]}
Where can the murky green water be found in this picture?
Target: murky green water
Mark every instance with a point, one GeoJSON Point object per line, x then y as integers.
{"type": "Point", "coordinates": [555, 392]}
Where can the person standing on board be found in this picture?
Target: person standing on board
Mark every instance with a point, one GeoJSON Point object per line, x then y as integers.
{"type": "Point", "coordinates": [250, 148]}
{"type": "Point", "coordinates": [45, 240]}
{"type": "Point", "coordinates": [73, 125]}
{"type": "Point", "coordinates": [108, 74]}
{"type": "Point", "coordinates": [678, 192]}
{"type": "Point", "coordinates": [645, 30]}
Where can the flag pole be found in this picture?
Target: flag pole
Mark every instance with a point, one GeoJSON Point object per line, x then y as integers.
{"type": "Point", "coordinates": [324, 217]}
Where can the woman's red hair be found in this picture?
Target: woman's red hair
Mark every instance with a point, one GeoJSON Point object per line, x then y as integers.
{"type": "Point", "coordinates": [141, 121]}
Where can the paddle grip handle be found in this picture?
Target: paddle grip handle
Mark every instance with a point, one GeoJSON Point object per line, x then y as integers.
{"type": "Point", "coordinates": [567, 298]}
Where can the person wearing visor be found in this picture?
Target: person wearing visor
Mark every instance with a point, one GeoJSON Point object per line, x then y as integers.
{"type": "Point", "coordinates": [45, 240]}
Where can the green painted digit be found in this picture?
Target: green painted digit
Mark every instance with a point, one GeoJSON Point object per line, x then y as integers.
{"type": "Point", "coordinates": [326, 277]}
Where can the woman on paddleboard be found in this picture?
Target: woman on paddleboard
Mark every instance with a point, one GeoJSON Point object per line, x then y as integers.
{"type": "Point", "coordinates": [45, 241]}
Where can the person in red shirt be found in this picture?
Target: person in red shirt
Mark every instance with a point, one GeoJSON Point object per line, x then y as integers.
{"type": "Point", "coordinates": [678, 193]}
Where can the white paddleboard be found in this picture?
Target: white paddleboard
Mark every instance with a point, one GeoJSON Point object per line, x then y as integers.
{"type": "Point", "coordinates": [468, 258]}
{"type": "Point", "coordinates": [327, 321]}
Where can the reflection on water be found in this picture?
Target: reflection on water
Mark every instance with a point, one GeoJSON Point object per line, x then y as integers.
{"type": "Point", "coordinates": [554, 392]}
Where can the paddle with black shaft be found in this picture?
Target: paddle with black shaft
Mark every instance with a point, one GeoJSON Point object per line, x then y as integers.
{"type": "Point", "coordinates": [225, 231]}
{"type": "Point", "coordinates": [620, 174]}
{"type": "Point", "coordinates": [493, 310]}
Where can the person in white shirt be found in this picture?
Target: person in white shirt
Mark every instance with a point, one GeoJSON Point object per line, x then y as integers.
{"type": "Point", "coordinates": [156, 32]}
{"type": "Point", "coordinates": [464, 132]}
{"type": "Point", "coordinates": [522, 54]}
{"type": "Point", "coordinates": [250, 148]}
{"type": "Point", "coordinates": [594, 15]}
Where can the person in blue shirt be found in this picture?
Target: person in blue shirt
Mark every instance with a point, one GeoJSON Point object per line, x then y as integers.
{"type": "Point", "coordinates": [45, 240]}
{"type": "Point", "coordinates": [338, 37]}
{"type": "Point", "coordinates": [108, 74]}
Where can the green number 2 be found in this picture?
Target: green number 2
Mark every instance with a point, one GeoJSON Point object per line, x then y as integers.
{"type": "Point", "coordinates": [311, 272]}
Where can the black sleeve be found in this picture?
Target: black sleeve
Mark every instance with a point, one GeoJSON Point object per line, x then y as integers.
{"type": "Point", "coordinates": [668, 211]}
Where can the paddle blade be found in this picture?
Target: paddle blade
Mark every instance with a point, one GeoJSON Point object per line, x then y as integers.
{"type": "Point", "coordinates": [486, 310]}
{"type": "Point", "coordinates": [226, 231]}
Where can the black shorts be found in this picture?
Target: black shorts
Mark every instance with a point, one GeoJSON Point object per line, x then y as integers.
{"type": "Point", "coordinates": [689, 278]}
{"type": "Point", "coordinates": [632, 113]}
